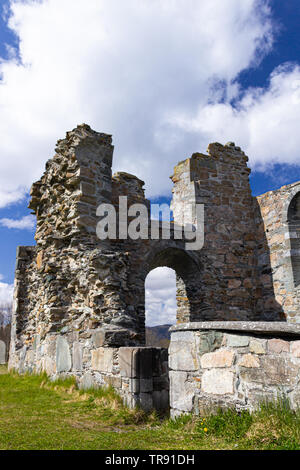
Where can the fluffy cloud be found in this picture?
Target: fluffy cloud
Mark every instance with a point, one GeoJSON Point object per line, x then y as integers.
{"type": "Point", "coordinates": [25, 223]}
{"type": "Point", "coordinates": [6, 293]}
{"type": "Point", "coordinates": [160, 300]}
{"type": "Point", "coordinates": [135, 69]}
{"type": "Point", "coordinates": [264, 121]}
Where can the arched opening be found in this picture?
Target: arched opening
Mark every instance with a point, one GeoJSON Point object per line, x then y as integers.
{"type": "Point", "coordinates": [160, 305]}
{"type": "Point", "coordinates": [294, 229]}
{"type": "Point", "coordinates": [172, 291]}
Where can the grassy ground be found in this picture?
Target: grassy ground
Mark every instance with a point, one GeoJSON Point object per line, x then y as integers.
{"type": "Point", "coordinates": [38, 414]}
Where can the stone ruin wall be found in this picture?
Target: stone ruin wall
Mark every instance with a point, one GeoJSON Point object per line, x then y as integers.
{"type": "Point", "coordinates": [4, 343]}
{"type": "Point", "coordinates": [233, 364]}
{"type": "Point", "coordinates": [79, 300]}
{"type": "Point", "coordinates": [278, 250]}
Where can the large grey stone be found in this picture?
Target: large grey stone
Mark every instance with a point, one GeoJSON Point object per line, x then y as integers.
{"type": "Point", "coordinates": [63, 355]}
{"type": "Point", "coordinates": [87, 381]}
{"type": "Point", "coordinates": [182, 391]}
{"type": "Point", "coordinates": [77, 356]}
{"type": "Point", "coordinates": [128, 362]}
{"type": "Point", "coordinates": [2, 352]}
{"type": "Point", "coordinates": [146, 385]}
{"type": "Point", "coordinates": [182, 356]}
{"type": "Point", "coordinates": [102, 359]}
{"type": "Point", "coordinates": [146, 401]}
{"type": "Point", "coordinates": [237, 341]}
{"type": "Point", "coordinates": [208, 341]}
{"type": "Point", "coordinates": [161, 399]}
{"type": "Point", "coordinates": [217, 381]}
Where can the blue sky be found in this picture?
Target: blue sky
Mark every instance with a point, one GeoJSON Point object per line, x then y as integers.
{"type": "Point", "coordinates": [156, 98]}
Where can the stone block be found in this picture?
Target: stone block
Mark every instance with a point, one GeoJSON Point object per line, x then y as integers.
{"type": "Point", "coordinates": [102, 359]}
{"type": "Point", "coordinates": [159, 358]}
{"type": "Point", "coordinates": [48, 365]}
{"type": "Point", "coordinates": [129, 362]}
{"type": "Point", "coordinates": [237, 341]}
{"type": "Point", "coordinates": [145, 362]}
{"type": "Point", "coordinates": [278, 345]}
{"type": "Point", "coordinates": [273, 370]}
{"type": "Point", "coordinates": [98, 338]}
{"type": "Point", "coordinates": [87, 381]}
{"type": "Point", "coordinates": [185, 336]}
{"type": "Point", "coordinates": [257, 347]}
{"type": "Point", "coordinates": [160, 400]}
{"type": "Point", "coordinates": [146, 385]}
{"type": "Point", "coordinates": [249, 360]}
{"type": "Point", "coordinates": [218, 382]}
{"type": "Point", "coordinates": [182, 356]}
{"type": "Point", "coordinates": [115, 382]}
{"type": "Point", "coordinates": [208, 341]}
{"type": "Point", "coordinates": [146, 401]}
{"type": "Point", "coordinates": [2, 352]}
{"type": "Point", "coordinates": [161, 383]}
{"type": "Point", "coordinates": [295, 348]}
{"type": "Point", "coordinates": [77, 356]}
{"type": "Point", "coordinates": [133, 385]}
{"type": "Point", "coordinates": [182, 391]}
{"type": "Point", "coordinates": [63, 355]}
{"type": "Point", "coordinates": [221, 358]}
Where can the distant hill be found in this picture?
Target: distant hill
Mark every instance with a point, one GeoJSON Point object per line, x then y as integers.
{"type": "Point", "coordinates": [158, 336]}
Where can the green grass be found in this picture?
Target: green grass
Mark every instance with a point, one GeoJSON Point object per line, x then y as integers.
{"type": "Point", "coordinates": [36, 413]}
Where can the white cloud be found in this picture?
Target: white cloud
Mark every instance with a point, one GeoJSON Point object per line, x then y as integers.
{"type": "Point", "coordinates": [124, 68]}
{"type": "Point", "coordinates": [264, 122]}
{"type": "Point", "coordinates": [160, 297]}
{"type": "Point", "coordinates": [25, 223]}
{"type": "Point", "coordinates": [6, 293]}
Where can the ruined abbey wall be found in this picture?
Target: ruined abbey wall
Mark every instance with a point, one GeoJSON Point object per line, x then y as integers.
{"type": "Point", "coordinates": [79, 300]}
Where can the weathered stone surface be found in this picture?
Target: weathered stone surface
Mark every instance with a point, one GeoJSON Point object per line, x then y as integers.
{"type": "Point", "coordinates": [129, 362]}
{"type": "Point", "coordinates": [249, 360]}
{"type": "Point", "coordinates": [182, 391]}
{"type": "Point", "coordinates": [237, 341]}
{"type": "Point", "coordinates": [257, 347]}
{"type": "Point", "coordinates": [221, 358]}
{"type": "Point", "coordinates": [182, 356]}
{"type": "Point", "coordinates": [2, 352]}
{"type": "Point", "coordinates": [77, 356]}
{"type": "Point", "coordinates": [208, 341]}
{"type": "Point", "coordinates": [161, 400]}
{"type": "Point", "coordinates": [260, 327]}
{"type": "Point", "coordinates": [217, 382]}
{"type": "Point", "coordinates": [274, 370]}
{"type": "Point", "coordinates": [102, 359]}
{"type": "Point", "coordinates": [146, 385]}
{"type": "Point", "coordinates": [63, 356]}
{"type": "Point", "coordinates": [98, 338]}
{"type": "Point", "coordinates": [48, 365]}
{"type": "Point", "coordinates": [146, 401]}
{"type": "Point", "coordinates": [87, 381]}
{"type": "Point", "coordinates": [278, 345]}
{"type": "Point", "coordinates": [295, 348]}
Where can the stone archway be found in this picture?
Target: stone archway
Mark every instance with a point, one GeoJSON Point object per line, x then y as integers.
{"type": "Point", "coordinates": [188, 285]}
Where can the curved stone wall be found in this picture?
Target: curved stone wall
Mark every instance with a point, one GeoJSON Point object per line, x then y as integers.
{"type": "Point", "coordinates": [233, 364]}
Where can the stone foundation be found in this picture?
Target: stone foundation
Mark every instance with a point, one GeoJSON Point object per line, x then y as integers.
{"type": "Point", "coordinates": [138, 374]}
{"type": "Point", "coordinates": [4, 343]}
{"type": "Point", "coordinates": [233, 364]}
